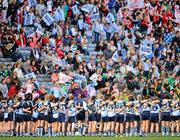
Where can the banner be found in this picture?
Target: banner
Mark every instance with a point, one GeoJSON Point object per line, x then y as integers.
{"type": "Point", "coordinates": [110, 18]}
{"type": "Point", "coordinates": [87, 8]}
{"type": "Point", "coordinates": [79, 78]}
{"type": "Point", "coordinates": [115, 56]}
{"type": "Point", "coordinates": [94, 77]}
{"type": "Point", "coordinates": [85, 26]}
{"type": "Point", "coordinates": [63, 78]}
{"type": "Point", "coordinates": [32, 3]}
{"type": "Point", "coordinates": [177, 13]}
{"type": "Point", "coordinates": [115, 27]}
{"type": "Point", "coordinates": [29, 31]}
{"type": "Point", "coordinates": [59, 15]}
{"type": "Point", "coordinates": [132, 4]}
{"type": "Point", "coordinates": [39, 30]}
{"type": "Point", "coordinates": [28, 19]}
{"type": "Point", "coordinates": [95, 9]}
{"type": "Point", "coordinates": [75, 10]}
{"type": "Point", "coordinates": [47, 18]}
{"type": "Point", "coordinates": [95, 17]}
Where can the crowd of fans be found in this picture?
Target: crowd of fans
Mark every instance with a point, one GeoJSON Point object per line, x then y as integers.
{"type": "Point", "coordinates": [137, 50]}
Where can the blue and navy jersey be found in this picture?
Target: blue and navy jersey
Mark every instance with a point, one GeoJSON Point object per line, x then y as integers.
{"type": "Point", "coordinates": [81, 104]}
{"type": "Point", "coordinates": [35, 110]}
{"type": "Point", "coordinates": [111, 106]}
{"type": "Point", "coordinates": [62, 107]}
{"type": "Point", "coordinates": [10, 103]}
{"type": "Point", "coordinates": [98, 103]}
{"type": "Point", "coordinates": [103, 109]}
{"type": "Point", "coordinates": [92, 107]}
{"type": "Point", "coordinates": [129, 110]}
{"type": "Point", "coordinates": [155, 108]}
{"type": "Point", "coordinates": [2, 108]}
{"type": "Point", "coordinates": [19, 109]}
{"type": "Point", "coordinates": [40, 105]}
{"type": "Point", "coordinates": [49, 108]}
{"type": "Point", "coordinates": [111, 109]}
{"type": "Point", "coordinates": [5, 107]}
{"type": "Point", "coordinates": [55, 110]}
{"type": "Point", "coordinates": [119, 105]}
{"type": "Point", "coordinates": [145, 107]}
{"type": "Point", "coordinates": [166, 107]}
{"type": "Point", "coordinates": [71, 108]}
{"type": "Point", "coordinates": [1, 105]}
{"type": "Point", "coordinates": [176, 111]}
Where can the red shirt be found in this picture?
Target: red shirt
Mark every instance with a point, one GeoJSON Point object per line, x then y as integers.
{"type": "Point", "coordinates": [12, 91]}
{"type": "Point", "coordinates": [88, 20]}
{"type": "Point", "coordinates": [21, 42]}
{"type": "Point", "coordinates": [60, 53]}
{"type": "Point", "coordinates": [45, 40]}
{"type": "Point", "coordinates": [59, 42]}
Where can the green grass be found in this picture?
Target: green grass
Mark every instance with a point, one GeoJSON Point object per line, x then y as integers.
{"type": "Point", "coordinates": [90, 138]}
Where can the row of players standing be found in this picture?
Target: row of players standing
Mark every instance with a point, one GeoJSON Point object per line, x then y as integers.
{"type": "Point", "coordinates": [48, 115]}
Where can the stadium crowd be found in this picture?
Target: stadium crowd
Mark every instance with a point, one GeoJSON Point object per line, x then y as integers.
{"type": "Point", "coordinates": [128, 85]}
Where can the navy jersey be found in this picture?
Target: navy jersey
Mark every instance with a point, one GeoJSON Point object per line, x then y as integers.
{"type": "Point", "coordinates": [19, 109]}
{"type": "Point", "coordinates": [1, 105]}
{"type": "Point", "coordinates": [119, 105]}
{"type": "Point", "coordinates": [103, 109]}
{"type": "Point", "coordinates": [166, 107]}
{"type": "Point", "coordinates": [155, 108]}
{"type": "Point", "coordinates": [176, 111]}
{"type": "Point", "coordinates": [92, 107]}
{"type": "Point", "coordinates": [71, 108]}
{"type": "Point", "coordinates": [62, 107]}
{"type": "Point", "coordinates": [145, 107]}
{"type": "Point", "coordinates": [49, 108]}
{"type": "Point", "coordinates": [40, 105]}
{"type": "Point", "coordinates": [98, 103]}
{"type": "Point", "coordinates": [10, 103]}
{"type": "Point", "coordinates": [55, 110]}
{"type": "Point", "coordinates": [129, 110]}
{"type": "Point", "coordinates": [111, 109]}
{"type": "Point", "coordinates": [35, 110]}
{"type": "Point", "coordinates": [81, 105]}
{"type": "Point", "coordinates": [27, 105]}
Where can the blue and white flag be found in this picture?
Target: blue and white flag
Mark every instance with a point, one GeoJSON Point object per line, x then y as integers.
{"type": "Point", "coordinates": [115, 56]}
{"type": "Point", "coordinates": [48, 19]}
{"type": "Point", "coordinates": [95, 17]}
{"type": "Point", "coordinates": [85, 26]}
{"type": "Point", "coordinates": [79, 78]}
{"type": "Point", "coordinates": [32, 3]}
{"type": "Point", "coordinates": [110, 18]}
{"type": "Point", "coordinates": [39, 30]}
{"type": "Point", "coordinates": [59, 15]}
{"type": "Point", "coordinates": [28, 19]}
{"type": "Point", "coordinates": [29, 31]}
{"type": "Point", "coordinates": [87, 8]}
{"type": "Point", "coordinates": [75, 10]}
